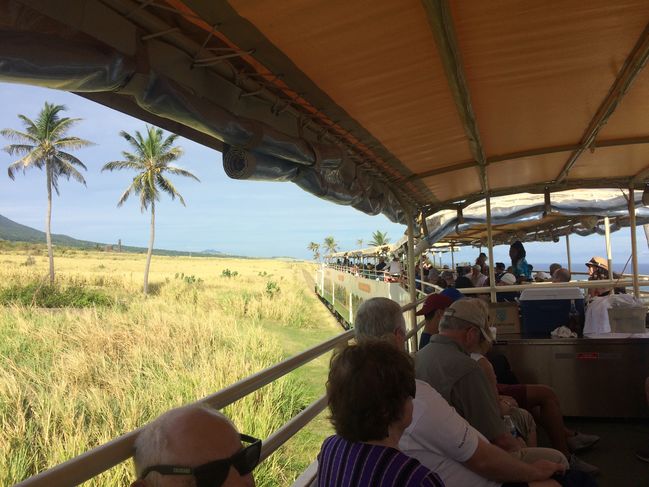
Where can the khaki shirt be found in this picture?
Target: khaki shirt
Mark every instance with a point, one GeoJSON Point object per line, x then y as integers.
{"type": "Point", "coordinates": [451, 371]}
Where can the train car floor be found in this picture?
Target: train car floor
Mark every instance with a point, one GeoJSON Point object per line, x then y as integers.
{"type": "Point", "coordinates": [614, 454]}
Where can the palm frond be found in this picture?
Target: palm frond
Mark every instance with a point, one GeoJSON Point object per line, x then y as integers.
{"type": "Point", "coordinates": [30, 160]}
{"type": "Point", "coordinates": [64, 168]}
{"type": "Point", "coordinates": [29, 124]}
{"type": "Point", "coordinates": [61, 126]}
{"type": "Point", "coordinates": [172, 155]}
{"type": "Point", "coordinates": [72, 143]}
{"type": "Point", "coordinates": [19, 136]}
{"type": "Point", "coordinates": [179, 171]}
{"type": "Point", "coordinates": [168, 187]}
{"type": "Point", "coordinates": [70, 159]}
{"type": "Point", "coordinates": [19, 149]}
{"type": "Point", "coordinates": [117, 165]}
{"type": "Point", "coordinates": [134, 141]}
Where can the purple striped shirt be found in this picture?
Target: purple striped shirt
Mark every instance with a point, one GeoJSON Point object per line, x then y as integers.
{"type": "Point", "coordinates": [342, 463]}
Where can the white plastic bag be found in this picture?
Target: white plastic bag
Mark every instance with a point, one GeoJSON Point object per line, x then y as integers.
{"type": "Point", "coordinates": [597, 312]}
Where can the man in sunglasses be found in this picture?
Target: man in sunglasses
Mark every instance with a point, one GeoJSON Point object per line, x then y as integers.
{"type": "Point", "coordinates": [194, 446]}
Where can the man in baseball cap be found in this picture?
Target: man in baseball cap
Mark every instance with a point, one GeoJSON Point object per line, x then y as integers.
{"type": "Point", "coordinates": [432, 310]}
{"type": "Point", "coordinates": [445, 364]}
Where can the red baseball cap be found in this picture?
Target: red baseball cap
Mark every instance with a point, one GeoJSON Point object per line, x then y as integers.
{"type": "Point", "coordinates": [434, 302]}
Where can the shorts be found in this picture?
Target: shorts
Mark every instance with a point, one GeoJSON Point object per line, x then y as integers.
{"type": "Point", "coordinates": [517, 391]}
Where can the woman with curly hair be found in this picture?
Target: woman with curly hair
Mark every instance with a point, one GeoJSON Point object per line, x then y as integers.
{"type": "Point", "coordinates": [370, 389]}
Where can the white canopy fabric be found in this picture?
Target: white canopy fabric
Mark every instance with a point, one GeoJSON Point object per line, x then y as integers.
{"type": "Point", "coordinates": [530, 217]}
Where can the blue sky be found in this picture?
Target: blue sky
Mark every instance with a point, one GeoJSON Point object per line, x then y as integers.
{"type": "Point", "coordinates": [237, 217]}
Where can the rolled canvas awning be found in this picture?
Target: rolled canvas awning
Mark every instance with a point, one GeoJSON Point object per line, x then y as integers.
{"type": "Point", "coordinates": [387, 106]}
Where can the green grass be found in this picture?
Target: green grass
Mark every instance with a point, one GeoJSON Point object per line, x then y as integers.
{"type": "Point", "coordinates": [76, 377]}
{"type": "Point", "coordinates": [53, 296]}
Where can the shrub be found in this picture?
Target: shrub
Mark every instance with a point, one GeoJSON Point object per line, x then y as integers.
{"type": "Point", "coordinates": [53, 296]}
{"type": "Point", "coordinates": [272, 289]}
{"type": "Point", "coordinates": [228, 273]}
{"type": "Point", "coordinates": [29, 261]}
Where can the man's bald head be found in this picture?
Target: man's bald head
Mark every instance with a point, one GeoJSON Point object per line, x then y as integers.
{"type": "Point", "coordinates": [188, 436]}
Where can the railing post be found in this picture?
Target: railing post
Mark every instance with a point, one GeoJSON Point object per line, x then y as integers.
{"type": "Point", "coordinates": [351, 310]}
{"type": "Point", "coordinates": [333, 291]}
{"type": "Point", "coordinates": [490, 249]}
{"type": "Point", "coordinates": [609, 254]}
{"type": "Point", "coordinates": [634, 243]}
{"type": "Point", "coordinates": [568, 252]}
{"type": "Point", "coordinates": [412, 285]}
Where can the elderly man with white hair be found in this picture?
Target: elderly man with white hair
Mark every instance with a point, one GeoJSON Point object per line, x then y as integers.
{"type": "Point", "coordinates": [440, 438]}
{"type": "Point", "coordinates": [194, 446]}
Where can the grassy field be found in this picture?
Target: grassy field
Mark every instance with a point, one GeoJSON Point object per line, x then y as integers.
{"type": "Point", "coordinates": [73, 378]}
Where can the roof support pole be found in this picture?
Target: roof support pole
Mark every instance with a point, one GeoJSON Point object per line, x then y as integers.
{"type": "Point", "coordinates": [568, 253]}
{"type": "Point", "coordinates": [441, 23]}
{"type": "Point", "coordinates": [609, 255]}
{"type": "Point", "coordinates": [490, 249]}
{"type": "Point", "coordinates": [634, 243]}
{"type": "Point", "coordinates": [452, 257]}
{"type": "Point", "coordinates": [628, 74]}
{"type": "Point", "coordinates": [412, 285]}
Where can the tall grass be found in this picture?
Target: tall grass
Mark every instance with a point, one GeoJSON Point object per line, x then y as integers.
{"type": "Point", "coordinates": [71, 378]}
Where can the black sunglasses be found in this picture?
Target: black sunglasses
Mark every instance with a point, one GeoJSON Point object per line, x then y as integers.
{"type": "Point", "coordinates": [213, 474]}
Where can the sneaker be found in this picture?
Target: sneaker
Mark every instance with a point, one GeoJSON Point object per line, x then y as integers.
{"type": "Point", "coordinates": [642, 454]}
{"type": "Point", "coordinates": [577, 463]}
{"type": "Point", "coordinates": [581, 441]}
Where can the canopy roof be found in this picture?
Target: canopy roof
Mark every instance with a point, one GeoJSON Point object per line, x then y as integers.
{"type": "Point", "coordinates": [389, 105]}
{"type": "Point", "coordinates": [532, 218]}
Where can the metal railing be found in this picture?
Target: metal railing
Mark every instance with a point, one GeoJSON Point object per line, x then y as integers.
{"type": "Point", "coordinates": [99, 459]}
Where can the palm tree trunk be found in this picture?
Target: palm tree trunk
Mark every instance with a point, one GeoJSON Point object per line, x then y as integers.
{"type": "Point", "coordinates": [48, 221]}
{"type": "Point", "coordinates": [150, 250]}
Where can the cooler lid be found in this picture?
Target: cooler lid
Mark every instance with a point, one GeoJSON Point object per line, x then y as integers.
{"type": "Point", "coordinates": [541, 294]}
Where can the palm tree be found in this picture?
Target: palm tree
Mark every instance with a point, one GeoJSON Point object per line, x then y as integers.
{"type": "Point", "coordinates": [315, 248]}
{"type": "Point", "coordinates": [379, 238]}
{"type": "Point", "coordinates": [359, 242]}
{"type": "Point", "coordinates": [330, 245]}
{"type": "Point", "coordinates": [152, 157]}
{"type": "Point", "coordinates": [42, 145]}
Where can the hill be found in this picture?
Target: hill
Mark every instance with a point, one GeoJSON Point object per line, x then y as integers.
{"type": "Point", "coordinates": [16, 232]}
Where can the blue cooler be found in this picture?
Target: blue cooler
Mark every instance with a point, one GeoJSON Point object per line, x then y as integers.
{"type": "Point", "coordinates": [544, 309]}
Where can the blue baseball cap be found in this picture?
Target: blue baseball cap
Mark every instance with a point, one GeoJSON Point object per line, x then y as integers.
{"type": "Point", "coordinates": [452, 293]}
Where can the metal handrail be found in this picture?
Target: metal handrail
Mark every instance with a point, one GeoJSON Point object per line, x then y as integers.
{"type": "Point", "coordinates": [580, 284]}
{"type": "Point", "coordinates": [93, 462]}
{"type": "Point", "coordinates": [286, 432]}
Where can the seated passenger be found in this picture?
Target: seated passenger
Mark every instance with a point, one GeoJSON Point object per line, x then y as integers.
{"type": "Point", "coordinates": [507, 279]}
{"type": "Point", "coordinates": [194, 443]}
{"type": "Point", "coordinates": [447, 278]}
{"type": "Point", "coordinates": [482, 262]}
{"type": "Point", "coordinates": [463, 282]}
{"type": "Point", "coordinates": [499, 271]}
{"type": "Point", "coordinates": [521, 418]}
{"type": "Point", "coordinates": [477, 277]}
{"type": "Point", "coordinates": [432, 310]}
{"type": "Point", "coordinates": [561, 275]}
{"type": "Point", "coordinates": [438, 437]}
{"type": "Point", "coordinates": [598, 270]}
{"type": "Point", "coordinates": [446, 366]}
{"type": "Point", "coordinates": [553, 268]}
{"type": "Point", "coordinates": [370, 389]}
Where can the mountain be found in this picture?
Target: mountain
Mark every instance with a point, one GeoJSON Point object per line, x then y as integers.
{"type": "Point", "coordinates": [211, 252]}
{"type": "Point", "coordinates": [15, 232]}
{"type": "Point", "coordinates": [10, 230]}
